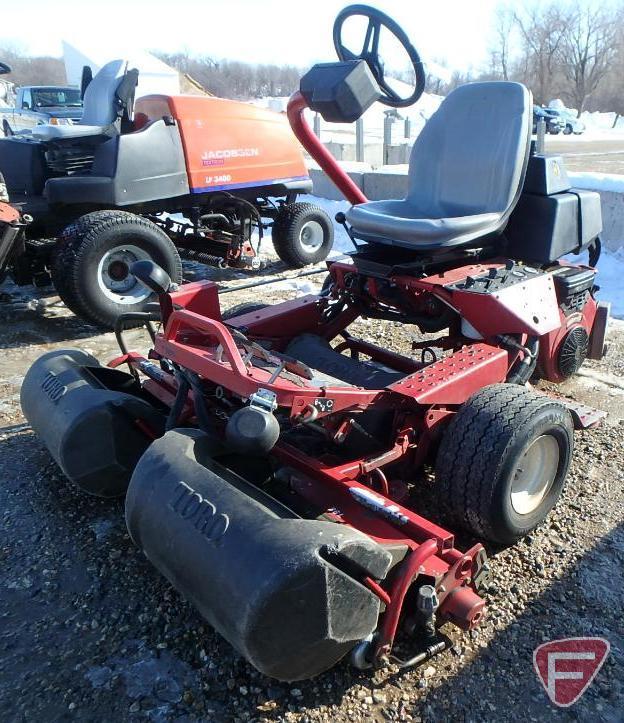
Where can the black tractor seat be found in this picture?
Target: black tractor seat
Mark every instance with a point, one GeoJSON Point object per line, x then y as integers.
{"type": "Point", "coordinates": [466, 173]}
{"type": "Point", "coordinates": [107, 99]}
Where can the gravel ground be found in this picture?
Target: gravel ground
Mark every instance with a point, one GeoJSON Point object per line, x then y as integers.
{"type": "Point", "coordinates": [90, 631]}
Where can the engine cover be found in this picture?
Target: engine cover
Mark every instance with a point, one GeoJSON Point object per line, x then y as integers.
{"type": "Point", "coordinates": [573, 351]}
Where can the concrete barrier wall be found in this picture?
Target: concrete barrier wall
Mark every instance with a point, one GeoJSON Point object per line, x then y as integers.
{"type": "Point", "coordinates": [377, 185]}
{"type": "Point", "coordinates": [612, 218]}
{"type": "Point", "coordinates": [373, 152]}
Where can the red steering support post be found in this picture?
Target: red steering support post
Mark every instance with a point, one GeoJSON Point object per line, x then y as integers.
{"type": "Point", "coordinates": [295, 111]}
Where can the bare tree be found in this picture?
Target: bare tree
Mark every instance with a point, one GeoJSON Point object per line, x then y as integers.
{"type": "Point", "coordinates": [588, 49]}
{"type": "Point", "coordinates": [609, 96]}
{"type": "Point", "coordinates": [542, 29]}
{"type": "Point", "coordinates": [233, 79]}
{"type": "Point", "coordinates": [33, 70]}
{"type": "Point", "coordinates": [500, 54]}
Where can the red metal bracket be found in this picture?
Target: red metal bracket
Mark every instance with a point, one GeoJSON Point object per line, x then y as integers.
{"type": "Point", "coordinates": [295, 111]}
{"type": "Point", "coordinates": [454, 378]}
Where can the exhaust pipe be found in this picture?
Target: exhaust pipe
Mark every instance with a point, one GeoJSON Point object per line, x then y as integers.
{"type": "Point", "coordinates": [286, 592]}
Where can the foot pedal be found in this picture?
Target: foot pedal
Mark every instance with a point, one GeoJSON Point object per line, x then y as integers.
{"type": "Point", "coordinates": [584, 417]}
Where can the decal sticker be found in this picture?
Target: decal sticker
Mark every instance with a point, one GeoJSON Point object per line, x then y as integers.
{"type": "Point", "coordinates": [323, 404]}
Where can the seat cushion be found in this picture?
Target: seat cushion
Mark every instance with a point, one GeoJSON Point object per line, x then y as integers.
{"type": "Point", "coordinates": [48, 132]}
{"type": "Point", "coordinates": [466, 170]}
{"type": "Point", "coordinates": [400, 223]}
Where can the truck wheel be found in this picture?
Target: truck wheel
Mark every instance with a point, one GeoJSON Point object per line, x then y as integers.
{"type": "Point", "coordinates": [90, 268]}
{"type": "Point", "coordinates": [503, 461]}
{"type": "Point", "coordinates": [6, 128]}
{"type": "Point", "coordinates": [302, 234]}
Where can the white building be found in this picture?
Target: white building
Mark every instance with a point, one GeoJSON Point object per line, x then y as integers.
{"type": "Point", "coordinates": [154, 75]}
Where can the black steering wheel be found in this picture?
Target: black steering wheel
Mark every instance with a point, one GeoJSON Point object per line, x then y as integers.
{"type": "Point", "coordinates": [370, 52]}
{"type": "Point", "coordinates": [4, 69]}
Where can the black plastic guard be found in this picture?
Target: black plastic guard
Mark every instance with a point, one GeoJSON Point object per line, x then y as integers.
{"type": "Point", "coordinates": [257, 572]}
{"type": "Point", "coordinates": [89, 428]}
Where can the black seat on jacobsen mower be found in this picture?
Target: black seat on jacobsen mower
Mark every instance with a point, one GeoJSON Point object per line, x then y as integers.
{"type": "Point", "coordinates": [465, 175]}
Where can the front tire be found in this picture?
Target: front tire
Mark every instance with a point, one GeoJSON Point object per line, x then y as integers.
{"type": "Point", "coordinates": [302, 234]}
{"type": "Point", "coordinates": [503, 461]}
{"type": "Point", "coordinates": [90, 267]}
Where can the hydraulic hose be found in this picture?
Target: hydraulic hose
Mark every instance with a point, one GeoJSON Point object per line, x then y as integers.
{"type": "Point", "coordinates": [179, 402]}
{"type": "Point", "coordinates": [523, 368]}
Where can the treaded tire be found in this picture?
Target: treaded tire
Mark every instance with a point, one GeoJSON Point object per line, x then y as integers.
{"type": "Point", "coordinates": [82, 244]}
{"type": "Point", "coordinates": [480, 450]}
{"type": "Point", "coordinates": [286, 234]}
{"type": "Point", "coordinates": [244, 308]}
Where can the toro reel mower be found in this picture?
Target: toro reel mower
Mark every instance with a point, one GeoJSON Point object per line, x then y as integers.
{"type": "Point", "coordinates": [166, 177]}
{"type": "Point", "coordinates": [270, 457]}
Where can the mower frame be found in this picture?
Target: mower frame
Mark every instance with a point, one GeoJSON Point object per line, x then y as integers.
{"type": "Point", "coordinates": [195, 338]}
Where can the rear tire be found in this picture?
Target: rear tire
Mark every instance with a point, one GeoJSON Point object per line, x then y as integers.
{"type": "Point", "coordinates": [6, 129]}
{"type": "Point", "coordinates": [90, 264]}
{"type": "Point", "coordinates": [302, 234]}
{"type": "Point", "coordinates": [503, 461]}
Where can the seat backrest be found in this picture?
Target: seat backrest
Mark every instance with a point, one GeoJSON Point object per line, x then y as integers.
{"type": "Point", "coordinates": [100, 100]}
{"type": "Point", "coordinates": [471, 156]}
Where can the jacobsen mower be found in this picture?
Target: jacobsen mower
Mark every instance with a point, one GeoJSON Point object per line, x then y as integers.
{"type": "Point", "coordinates": [271, 458]}
{"type": "Point", "coordinates": [167, 176]}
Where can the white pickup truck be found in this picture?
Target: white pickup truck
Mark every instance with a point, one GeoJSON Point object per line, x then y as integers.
{"type": "Point", "coordinates": [37, 104]}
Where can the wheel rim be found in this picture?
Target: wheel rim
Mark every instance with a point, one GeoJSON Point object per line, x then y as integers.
{"type": "Point", "coordinates": [114, 277]}
{"type": "Point", "coordinates": [534, 474]}
{"type": "Point", "coordinates": [311, 236]}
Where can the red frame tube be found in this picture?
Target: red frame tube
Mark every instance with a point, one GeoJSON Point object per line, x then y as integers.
{"type": "Point", "coordinates": [295, 109]}
{"type": "Point", "coordinates": [402, 582]}
{"type": "Point", "coordinates": [375, 587]}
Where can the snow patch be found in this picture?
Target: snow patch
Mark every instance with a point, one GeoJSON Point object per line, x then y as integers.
{"type": "Point", "coordinates": [609, 279]}
{"type": "Point", "coordinates": [598, 181]}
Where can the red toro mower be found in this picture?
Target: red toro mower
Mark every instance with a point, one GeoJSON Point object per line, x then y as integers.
{"type": "Point", "coordinates": [270, 458]}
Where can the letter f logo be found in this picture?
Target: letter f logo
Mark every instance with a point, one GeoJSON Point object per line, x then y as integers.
{"type": "Point", "coordinates": [567, 667]}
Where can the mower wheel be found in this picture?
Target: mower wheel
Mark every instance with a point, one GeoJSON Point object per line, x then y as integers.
{"type": "Point", "coordinates": [90, 266]}
{"type": "Point", "coordinates": [302, 234]}
{"type": "Point", "coordinates": [503, 461]}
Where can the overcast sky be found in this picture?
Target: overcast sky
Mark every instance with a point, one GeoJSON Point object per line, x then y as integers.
{"type": "Point", "coordinates": [264, 31]}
